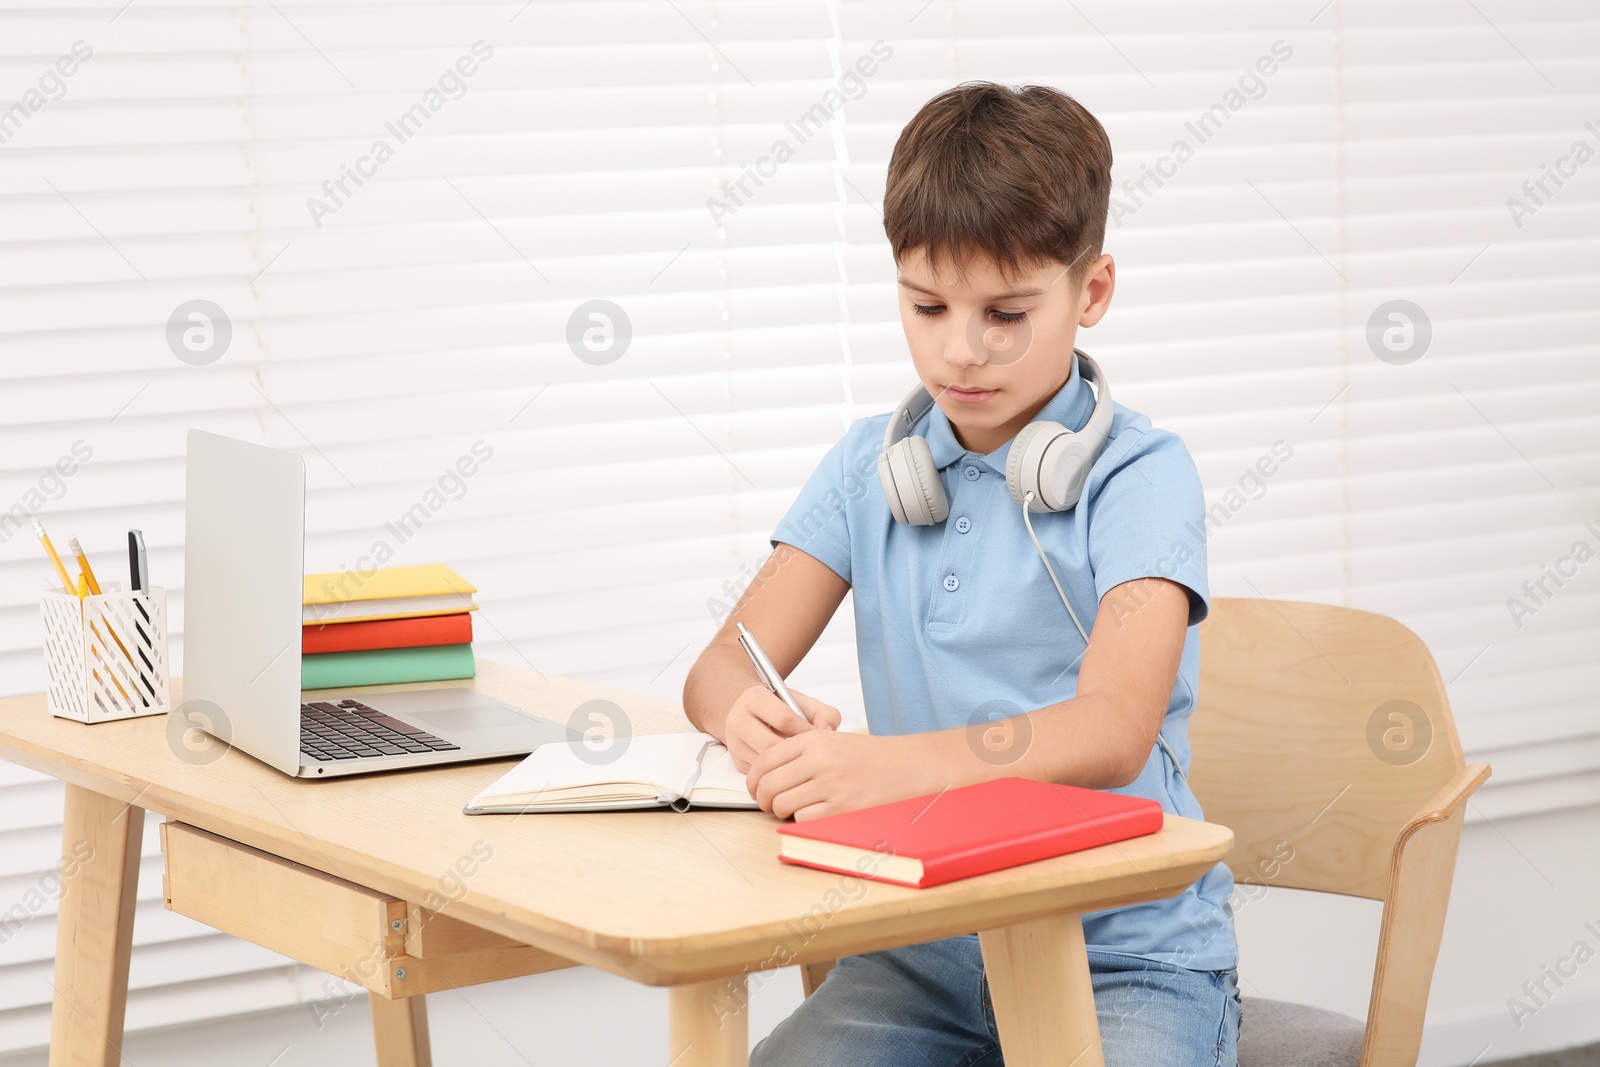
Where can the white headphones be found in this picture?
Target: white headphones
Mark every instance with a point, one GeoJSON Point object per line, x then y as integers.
{"type": "Point", "coordinates": [1046, 459]}
{"type": "Point", "coordinates": [1045, 471]}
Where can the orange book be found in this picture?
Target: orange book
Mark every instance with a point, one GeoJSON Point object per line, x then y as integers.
{"type": "Point", "coordinates": [387, 633]}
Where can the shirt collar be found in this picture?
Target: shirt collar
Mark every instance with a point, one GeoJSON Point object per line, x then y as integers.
{"type": "Point", "coordinates": [1071, 406]}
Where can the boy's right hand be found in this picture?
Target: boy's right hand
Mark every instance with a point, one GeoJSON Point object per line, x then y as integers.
{"type": "Point", "coordinates": [758, 720]}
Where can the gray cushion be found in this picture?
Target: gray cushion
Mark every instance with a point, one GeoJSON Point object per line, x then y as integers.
{"type": "Point", "coordinates": [1274, 1033]}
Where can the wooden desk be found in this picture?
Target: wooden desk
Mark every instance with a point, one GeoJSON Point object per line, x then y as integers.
{"type": "Point", "coordinates": [695, 901]}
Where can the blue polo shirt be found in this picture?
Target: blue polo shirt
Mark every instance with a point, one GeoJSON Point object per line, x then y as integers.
{"type": "Point", "coordinates": [958, 623]}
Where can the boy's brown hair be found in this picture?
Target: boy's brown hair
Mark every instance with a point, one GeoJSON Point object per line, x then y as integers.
{"type": "Point", "coordinates": [1021, 175]}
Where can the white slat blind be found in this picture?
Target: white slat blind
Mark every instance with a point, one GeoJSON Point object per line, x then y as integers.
{"type": "Point", "coordinates": [713, 169]}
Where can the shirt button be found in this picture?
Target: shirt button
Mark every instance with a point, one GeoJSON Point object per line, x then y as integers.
{"type": "Point", "coordinates": [963, 524]}
{"type": "Point", "coordinates": [951, 582]}
{"type": "Point", "coordinates": [971, 472]}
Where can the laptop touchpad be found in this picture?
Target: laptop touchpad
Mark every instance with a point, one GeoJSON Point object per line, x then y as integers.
{"type": "Point", "coordinates": [454, 720]}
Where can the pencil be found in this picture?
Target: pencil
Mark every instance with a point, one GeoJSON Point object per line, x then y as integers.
{"type": "Point", "coordinates": [83, 565]}
{"type": "Point", "coordinates": [67, 584]}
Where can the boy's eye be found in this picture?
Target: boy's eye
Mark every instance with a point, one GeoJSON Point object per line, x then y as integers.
{"type": "Point", "coordinates": [998, 316]}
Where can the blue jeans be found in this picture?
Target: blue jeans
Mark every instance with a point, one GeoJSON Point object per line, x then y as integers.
{"type": "Point", "coordinates": [928, 1006]}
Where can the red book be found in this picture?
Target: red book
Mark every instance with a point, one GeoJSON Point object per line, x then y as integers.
{"type": "Point", "coordinates": [387, 633]}
{"type": "Point", "coordinates": [976, 829]}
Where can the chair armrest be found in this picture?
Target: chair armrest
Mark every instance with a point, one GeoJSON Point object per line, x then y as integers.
{"type": "Point", "coordinates": [1420, 871]}
{"type": "Point", "coordinates": [1452, 795]}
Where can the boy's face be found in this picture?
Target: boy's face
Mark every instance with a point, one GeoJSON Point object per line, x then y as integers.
{"type": "Point", "coordinates": [992, 349]}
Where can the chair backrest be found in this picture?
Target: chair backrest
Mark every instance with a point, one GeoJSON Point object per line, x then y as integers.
{"type": "Point", "coordinates": [1319, 732]}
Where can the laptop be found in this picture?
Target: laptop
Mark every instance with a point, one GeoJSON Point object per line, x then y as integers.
{"type": "Point", "coordinates": [243, 583]}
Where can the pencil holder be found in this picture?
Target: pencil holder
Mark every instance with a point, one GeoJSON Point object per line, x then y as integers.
{"type": "Point", "coordinates": [106, 654]}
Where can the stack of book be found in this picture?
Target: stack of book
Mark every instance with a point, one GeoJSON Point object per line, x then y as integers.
{"type": "Point", "coordinates": [395, 624]}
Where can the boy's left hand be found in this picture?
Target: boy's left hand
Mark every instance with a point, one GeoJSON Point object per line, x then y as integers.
{"type": "Point", "coordinates": [823, 772]}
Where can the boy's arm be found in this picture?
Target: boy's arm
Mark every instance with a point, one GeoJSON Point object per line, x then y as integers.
{"type": "Point", "coordinates": [787, 605]}
{"type": "Point", "coordinates": [1100, 738]}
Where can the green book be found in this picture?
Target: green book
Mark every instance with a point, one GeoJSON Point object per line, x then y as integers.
{"type": "Point", "coordinates": [383, 666]}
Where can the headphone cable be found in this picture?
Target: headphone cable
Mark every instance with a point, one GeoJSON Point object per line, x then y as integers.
{"type": "Point", "coordinates": [1028, 522]}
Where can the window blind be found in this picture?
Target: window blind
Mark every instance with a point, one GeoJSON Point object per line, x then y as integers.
{"type": "Point", "coordinates": [400, 217]}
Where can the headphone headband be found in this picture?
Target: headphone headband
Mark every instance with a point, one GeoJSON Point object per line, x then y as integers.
{"type": "Point", "coordinates": [1099, 423]}
{"type": "Point", "coordinates": [910, 411]}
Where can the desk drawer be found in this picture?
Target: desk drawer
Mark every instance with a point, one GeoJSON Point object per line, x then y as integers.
{"type": "Point", "coordinates": [389, 946]}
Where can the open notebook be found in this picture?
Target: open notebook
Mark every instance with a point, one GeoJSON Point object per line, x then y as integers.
{"type": "Point", "coordinates": [677, 770]}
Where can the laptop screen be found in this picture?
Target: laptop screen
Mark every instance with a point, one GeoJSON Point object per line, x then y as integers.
{"type": "Point", "coordinates": [243, 582]}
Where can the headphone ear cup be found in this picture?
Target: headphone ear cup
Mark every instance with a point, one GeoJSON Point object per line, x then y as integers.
{"type": "Point", "coordinates": [1065, 468]}
{"type": "Point", "coordinates": [1022, 462]}
{"type": "Point", "coordinates": [936, 505]}
{"type": "Point", "coordinates": [911, 483]}
{"type": "Point", "coordinates": [891, 490]}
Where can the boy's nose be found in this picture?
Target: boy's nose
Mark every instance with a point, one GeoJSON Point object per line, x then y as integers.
{"type": "Point", "coordinates": [963, 350]}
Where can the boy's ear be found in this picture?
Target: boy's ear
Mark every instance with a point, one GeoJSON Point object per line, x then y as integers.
{"type": "Point", "coordinates": [1099, 281]}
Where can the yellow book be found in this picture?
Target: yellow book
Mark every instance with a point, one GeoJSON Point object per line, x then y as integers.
{"type": "Point", "coordinates": [387, 593]}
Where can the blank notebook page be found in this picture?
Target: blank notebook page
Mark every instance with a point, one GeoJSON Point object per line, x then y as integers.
{"type": "Point", "coordinates": [721, 781]}
{"type": "Point", "coordinates": [645, 768]}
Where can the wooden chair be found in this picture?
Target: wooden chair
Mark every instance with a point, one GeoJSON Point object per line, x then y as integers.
{"type": "Point", "coordinates": [1323, 739]}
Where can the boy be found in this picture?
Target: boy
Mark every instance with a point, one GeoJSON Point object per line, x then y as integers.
{"type": "Point", "coordinates": [972, 666]}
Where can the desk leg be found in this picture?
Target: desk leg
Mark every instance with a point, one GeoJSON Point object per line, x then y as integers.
{"type": "Point", "coordinates": [100, 840]}
{"type": "Point", "coordinates": [709, 1025]}
{"type": "Point", "coordinates": [812, 975]}
{"type": "Point", "coordinates": [400, 1029]}
{"type": "Point", "coordinates": [1043, 1002]}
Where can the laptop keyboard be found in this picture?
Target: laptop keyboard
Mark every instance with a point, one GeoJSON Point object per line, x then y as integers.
{"type": "Point", "coordinates": [351, 730]}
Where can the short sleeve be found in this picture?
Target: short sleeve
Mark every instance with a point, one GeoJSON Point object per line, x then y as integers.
{"type": "Point", "coordinates": [1147, 517]}
{"type": "Point", "coordinates": [817, 522]}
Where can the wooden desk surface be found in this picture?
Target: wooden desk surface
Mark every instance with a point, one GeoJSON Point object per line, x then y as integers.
{"type": "Point", "coordinates": [661, 897]}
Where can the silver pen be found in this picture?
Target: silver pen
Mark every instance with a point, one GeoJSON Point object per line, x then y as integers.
{"type": "Point", "coordinates": [766, 671]}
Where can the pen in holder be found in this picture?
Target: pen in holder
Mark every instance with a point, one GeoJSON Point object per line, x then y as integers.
{"type": "Point", "coordinates": [106, 654]}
